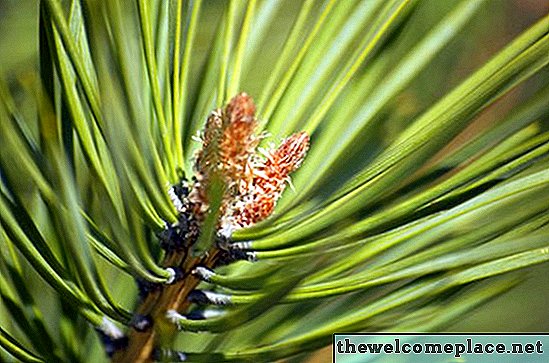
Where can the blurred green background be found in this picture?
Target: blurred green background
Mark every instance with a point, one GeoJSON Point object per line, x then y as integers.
{"type": "Point", "coordinates": [523, 309]}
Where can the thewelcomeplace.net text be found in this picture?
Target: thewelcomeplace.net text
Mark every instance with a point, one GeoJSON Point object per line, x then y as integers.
{"type": "Point", "coordinates": [468, 346]}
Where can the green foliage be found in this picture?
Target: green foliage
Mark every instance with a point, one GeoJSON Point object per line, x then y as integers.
{"type": "Point", "coordinates": [411, 208]}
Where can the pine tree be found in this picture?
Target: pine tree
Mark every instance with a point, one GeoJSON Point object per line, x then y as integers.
{"type": "Point", "coordinates": [237, 180]}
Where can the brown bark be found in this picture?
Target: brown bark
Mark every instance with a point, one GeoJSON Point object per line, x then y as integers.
{"type": "Point", "coordinates": [142, 344]}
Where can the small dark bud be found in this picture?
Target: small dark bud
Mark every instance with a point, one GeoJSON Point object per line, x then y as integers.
{"type": "Point", "coordinates": [196, 315]}
{"type": "Point", "coordinates": [239, 255]}
{"type": "Point", "coordinates": [142, 323]}
{"type": "Point", "coordinates": [147, 287]}
{"type": "Point", "coordinates": [172, 238]}
{"type": "Point", "coordinates": [208, 297]}
{"type": "Point", "coordinates": [179, 274]}
{"type": "Point", "coordinates": [181, 190]}
{"type": "Point", "coordinates": [232, 255]}
{"type": "Point", "coordinates": [198, 297]}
